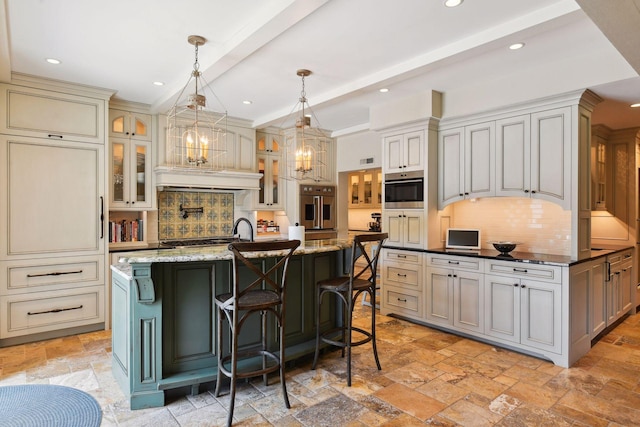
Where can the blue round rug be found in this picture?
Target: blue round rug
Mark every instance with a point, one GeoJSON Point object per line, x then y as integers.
{"type": "Point", "coordinates": [32, 405]}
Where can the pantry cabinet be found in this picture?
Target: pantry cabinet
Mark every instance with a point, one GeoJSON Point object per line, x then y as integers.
{"type": "Point", "coordinates": [53, 211]}
{"type": "Point", "coordinates": [466, 163]}
{"type": "Point", "coordinates": [405, 228]}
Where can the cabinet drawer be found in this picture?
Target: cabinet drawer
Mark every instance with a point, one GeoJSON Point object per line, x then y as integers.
{"type": "Point", "coordinates": [400, 302]}
{"type": "Point", "coordinates": [548, 273]}
{"type": "Point", "coordinates": [406, 276]}
{"type": "Point", "coordinates": [49, 114]}
{"type": "Point", "coordinates": [48, 311]}
{"type": "Point", "coordinates": [456, 262]}
{"type": "Point", "coordinates": [403, 256]}
{"type": "Point", "coordinates": [51, 274]}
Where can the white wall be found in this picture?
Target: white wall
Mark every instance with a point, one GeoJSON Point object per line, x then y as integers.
{"type": "Point", "coordinates": [353, 149]}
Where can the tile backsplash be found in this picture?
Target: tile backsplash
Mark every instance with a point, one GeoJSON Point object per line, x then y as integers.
{"type": "Point", "coordinates": [216, 218]}
{"type": "Point", "coordinates": [538, 226]}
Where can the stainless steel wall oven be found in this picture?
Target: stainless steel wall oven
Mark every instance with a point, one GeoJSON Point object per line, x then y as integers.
{"type": "Point", "coordinates": [404, 190]}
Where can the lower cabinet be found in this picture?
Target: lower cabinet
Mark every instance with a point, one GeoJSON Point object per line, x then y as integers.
{"type": "Point", "coordinates": [402, 280]}
{"type": "Point", "coordinates": [618, 286]}
{"type": "Point", "coordinates": [524, 311]}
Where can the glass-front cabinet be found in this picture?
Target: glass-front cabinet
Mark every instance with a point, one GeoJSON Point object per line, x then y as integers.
{"type": "Point", "coordinates": [131, 125]}
{"type": "Point", "coordinates": [269, 157]}
{"type": "Point", "coordinates": [130, 174]}
{"type": "Point", "coordinates": [365, 189]}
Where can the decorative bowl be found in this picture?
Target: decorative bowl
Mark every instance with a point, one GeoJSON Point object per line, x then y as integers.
{"type": "Point", "coordinates": [504, 247]}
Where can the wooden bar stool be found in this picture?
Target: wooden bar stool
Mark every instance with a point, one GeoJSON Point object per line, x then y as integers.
{"type": "Point", "coordinates": [362, 279]}
{"type": "Point", "coordinates": [262, 295]}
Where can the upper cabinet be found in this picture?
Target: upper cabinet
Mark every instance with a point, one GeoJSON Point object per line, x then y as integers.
{"type": "Point", "coordinates": [365, 189]}
{"type": "Point", "coordinates": [130, 174]}
{"type": "Point", "coordinates": [404, 152]}
{"type": "Point", "coordinates": [533, 156]}
{"type": "Point", "coordinates": [31, 111]}
{"type": "Point", "coordinates": [269, 156]}
{"type": "Point", "coordinates": [466, 163]}
{"type": "Point", "coordinates": [130, 125]}
{"type": "Point", "coordinates": [240, 149]}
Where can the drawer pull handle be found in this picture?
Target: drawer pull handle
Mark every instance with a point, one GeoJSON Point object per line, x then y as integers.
{"type": "Point", "coordinates": [520, 270]}
{"type": "Point", "coordinates": [402, 256]}
{"type": "Point", "coordinates": [401, 275]}
{"type": "Point", "coordinates": [55, 273]}
{"type": "Point", "coordinates": [55, 310]}
{"type": "Point", "coordinates": [402, 300]}
{"type": "Point", "coordinates": [54, 136]}
{"type": "Point", "coordinates": [454, 262]}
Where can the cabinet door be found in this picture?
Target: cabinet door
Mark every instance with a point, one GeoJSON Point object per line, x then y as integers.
{"type": "Point", "coordinates": [413, 232]}
{"type": "Point", "coordinates": [540, 305]}
{"type": "Point", "coordinates": [355, 185]}
{"type": "Point", "coordinates": [513, 146]}
{"type": "Point", "coordinates": [450, 166]}
{"type": "Point", "coordinates": [393, 153]}
{"type": "Point", "coordinates": [468, 300]}
{"type": "Point", "coordinates": [502, 315]}
{"type": "Point", "coordinates": [270, 191]}
{"type": "Point", "coordinates": [479, 160]}
{"type": "Point", "coordinates": [413, 151]}
{"type": "Point", "coordinates": [551, 156]}
{"type": "Point", "coordinates": [140, 173]}
{"type": "Point", "coordinates": [392, 223]}
{"type": "Point", "coordinates": [439, 296]}
{"type": "Point", "coordinates": [598, 309]}
{"type": "Point", "coordinates": [130, 125]}
{"type": "Point", "coordinates": [53, 195]}
{"type": "Point", "coordinates": [626, 288]}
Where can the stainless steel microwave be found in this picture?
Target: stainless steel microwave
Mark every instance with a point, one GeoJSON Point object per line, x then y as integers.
{"type": "Point", "coordinates": [404, 190]}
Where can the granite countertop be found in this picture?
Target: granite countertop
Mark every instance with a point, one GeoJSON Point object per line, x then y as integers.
{"type": "Point", "coordinates": [531, 257]}
{"type": "Point", "coordinates": [221, 252]}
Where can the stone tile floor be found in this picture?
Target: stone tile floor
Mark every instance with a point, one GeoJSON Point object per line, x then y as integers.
{"type": "Point", "coordinates": [428, 377]}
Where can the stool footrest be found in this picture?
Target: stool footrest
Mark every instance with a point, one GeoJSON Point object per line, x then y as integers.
{"type": "Point", "coordinates": [253, 373]}
{"type": "Point", "coordinates": [324, 337]}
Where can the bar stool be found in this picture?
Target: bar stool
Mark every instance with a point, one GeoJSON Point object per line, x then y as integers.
{"type": "Point", "coordinates": [262, 295]}
{"type": "Point", "coordinates": [347, 289]}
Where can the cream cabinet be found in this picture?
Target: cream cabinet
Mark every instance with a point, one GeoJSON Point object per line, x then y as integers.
{"type": "Point", "coordinates": [402, 282]}
{"type": "Point", "coordinates": [466, 163]}
{"type": "Point", "coordinates": [524, 304]}
{"type": "Point", "coordinates": [53, 215]}
{"type": "Point", "coordinates": [405, 228]}
{"type": "Point", "coordinates": [240, 149]}
{"type": "Point", "coordinates": [365, 189]}
{"type": "Point", "coordinates": [269, 156]}
{"type": "Point", "coordinates": [130, 125]}
{"type": "Point", "coordinates": [404, 152]}
{"type": "Point", "coordinates": [130, 174]}
{"type": "Point", "coordinates": [37, 112]}
{"type": "Point", "coordinates": [455, 292]}
{"type": "Point", "coordinates": [533, 156]}
{"type": "Point", "coordinates": [619, 287]}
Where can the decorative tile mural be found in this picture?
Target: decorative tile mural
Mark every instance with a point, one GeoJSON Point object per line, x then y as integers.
{"type": "Point", "coordinates": [194, 215]}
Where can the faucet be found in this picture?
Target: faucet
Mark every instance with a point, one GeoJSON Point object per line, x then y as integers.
{"type": "Point", "coordinates": [235, 228]}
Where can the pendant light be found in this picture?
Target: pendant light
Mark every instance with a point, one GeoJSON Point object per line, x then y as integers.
{"type": "Point", "coordinates": [307, 146]}
{"type": "Point", "coordinates": [196, 134]}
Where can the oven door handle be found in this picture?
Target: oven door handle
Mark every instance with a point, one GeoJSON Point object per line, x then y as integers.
{"type": "Point", "coordinates": [317, 204]}
{"type": "Point", "coordinates": [404, 181]}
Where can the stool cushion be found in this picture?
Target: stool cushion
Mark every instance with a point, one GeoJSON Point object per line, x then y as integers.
{"type": "Point", "coordinates": [252, 300]}
{"type": "Point", "coordinates": [341, 284]}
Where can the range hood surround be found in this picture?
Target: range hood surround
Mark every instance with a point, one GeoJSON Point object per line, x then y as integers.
{"type": "Point", "coordinates": [194, 178]}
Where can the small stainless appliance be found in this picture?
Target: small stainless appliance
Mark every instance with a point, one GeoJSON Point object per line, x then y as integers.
{"type": "Point", "coordinates": [317, 206]}
{"type": "Point", "coordinates": [375, 225]}
{"type": "Point", "coordinates": [404, 190]}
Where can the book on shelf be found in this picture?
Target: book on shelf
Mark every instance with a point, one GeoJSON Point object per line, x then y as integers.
{"type": "Point", "coordinates": [126, 231]}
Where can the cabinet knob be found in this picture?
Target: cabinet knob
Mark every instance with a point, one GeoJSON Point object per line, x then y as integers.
{"type": "Point", "coordinates": [533, 191]}
{"type": "Point", "coordinates": [526, 191]}
{"type": "Point", "coordinates": [460, 194]}
{"type": "Point", "coordinates": [522, 286]}
{"type": "Point", "coordinates": [515, 285]}
{"type": "Point", "coordinates": [466, 194]}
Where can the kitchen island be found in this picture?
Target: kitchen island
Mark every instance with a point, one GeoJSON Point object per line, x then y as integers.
{"type": "Point", "coordinates": [163, 327]}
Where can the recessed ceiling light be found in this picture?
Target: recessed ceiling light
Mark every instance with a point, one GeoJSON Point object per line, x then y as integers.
{"type": "Point", "coordinates": [635, 105]}
{"type": "Point", "coordinates": [53, 61]}
{"type": "Point", "coordinates": [158, 83]}
{"type": "Point", "coordinates": [452, 3]}
{"type": "Point", "coordinates": [247, 102]}
{"type": "Point", "coordinates": [516, 46]}
{"type": "Point", "coordinates": [384, 90]}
